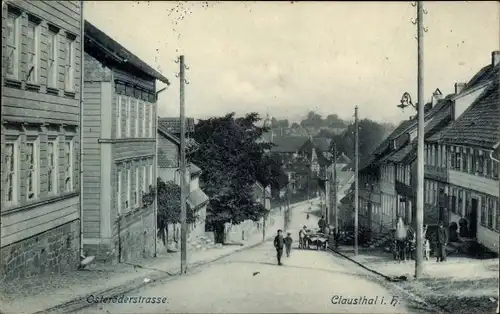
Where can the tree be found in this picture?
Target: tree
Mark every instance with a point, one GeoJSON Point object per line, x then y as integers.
{"type": "Point", "coordinates": [312, 120]}
{"type": "Point", "coordinates": [169, 206]}
{"type": "Point", "coordinates": [232, 160]}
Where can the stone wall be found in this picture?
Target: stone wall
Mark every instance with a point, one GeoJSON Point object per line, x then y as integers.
{"type": "Point", "coordinates": [53, 251]}
{"type": "Point", "coordinates": [134, 238]}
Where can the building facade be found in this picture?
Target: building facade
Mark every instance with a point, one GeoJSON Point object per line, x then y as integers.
{"type": "Point", "coordinates": [168, 170]}
{"type": "Point", "coordinates": [119, 123]}
{"type": "Point", "coordinates": [41, 116]}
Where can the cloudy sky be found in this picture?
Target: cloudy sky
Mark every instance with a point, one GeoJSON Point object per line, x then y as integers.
{"type": "Point", "coordinates": [287, 58]}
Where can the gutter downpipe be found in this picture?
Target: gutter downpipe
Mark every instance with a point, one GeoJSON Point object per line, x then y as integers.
{"type": "Point", "coordinates": [155, 203]}
{"type": "Point", "coordinates": [82, 57]}
{"type": "Point", "coordinates": [491, 153]}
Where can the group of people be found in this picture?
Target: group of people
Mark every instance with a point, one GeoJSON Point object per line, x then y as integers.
{"type": "Point", "coordinates": [281, 242]}
{"type": "Point", "coordinates": [405, 240]}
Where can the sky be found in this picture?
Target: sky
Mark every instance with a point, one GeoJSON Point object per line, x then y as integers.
{"type": "Point", "coordinates": [285, 59]}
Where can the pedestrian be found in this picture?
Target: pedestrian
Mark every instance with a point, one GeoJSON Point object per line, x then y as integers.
{"type": "Point", "coordinates": [307, 217]}
{"type": "Point", "coordinates": [302, 236]}
{"type": "Point", "coordinates": [322, 224]}
{"type": "Point", "coordinates": [278, 244]}
{"type": "Point", "coordinates": [442, 242]}
{"type": "Point", "coordinates": [400, 238]}
{"type": "Point", "coordinates": [288, 243]}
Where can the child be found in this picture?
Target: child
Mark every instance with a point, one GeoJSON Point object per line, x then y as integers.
{"type": "Point", "coordinates": [288, 244]}
{"type": "Point", "coordinates": [427, 249]}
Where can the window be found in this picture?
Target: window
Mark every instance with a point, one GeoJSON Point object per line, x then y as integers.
{"type": "Point", "coordinates": [151, 121]}
{"type": "Point", "coordinates": [488, 169]}
{"type": "Point", "coordinates": [119, 116]}
{"type": "Point", "coordinates": [474, 161]}
{"type": "Point", "coordinates": [33, 167]}
{"type": "Point", "coordinates": [128, 116]}
{"type": "Point", "coordinates": [151, 175]}
{"type": "Point", "coordinates": [483, 210]}
{"type": "Point", "coordinates": [119, 192]}
{"type": "Point", "coordinates": [143, 134]}
{"type": "Point", "coordinates": [453, 200]}
{"type": "Point", "coordinates": [144, 181]}
{"type": "Point", "coordinates": [491, 212]}
{"type": "Point", "coordinates": [12, 45]}
{"type": "Point", "coordinates": [32, 52]}
{"type": "Point", "coordinates": [52, 153]}
{"type": "Point", "coordinates": [494, 170]}
{"type": "Point", "coordinates": [465, 160]}
{"type": "Point", "coordinates": [128, 204]}
{"type": "Point", "coordinates": [68, 162]}
{"type": "Point", "coordinates": [70, 64]}
{"type": "Point", "coordinates": [460, 201]}
{"type": "Point", "coordinates": [136, 106]}
{"type": "Point", "coordinates": [137, 191]}
{"type": "Point", "coordinates": [53, 55]}
{"type": "Point", "coordinates": [11, 155]}
{"type": "Point", "coordinates": [480, 162]}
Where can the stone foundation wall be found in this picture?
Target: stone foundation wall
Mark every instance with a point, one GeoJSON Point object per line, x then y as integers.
{"type": "Point", "coordinates": [53, 251]}
{"type": "Point", "coordinates": [134, 238]}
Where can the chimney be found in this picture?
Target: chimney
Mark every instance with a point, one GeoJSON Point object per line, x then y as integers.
{"type": "Point", "coordinates": [435, 98]}
{"type": "Point", "coordinates": [459, 87]}
{"type": "Point", "coordinates": [495, 58]}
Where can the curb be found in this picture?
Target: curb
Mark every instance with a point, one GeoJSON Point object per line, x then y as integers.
{"type": "Point", "coordinates": [155, 276]}
{"type": "Point", "coordinates": [393, 280]}
{"type": "Point", "coordinates": [81, 302]}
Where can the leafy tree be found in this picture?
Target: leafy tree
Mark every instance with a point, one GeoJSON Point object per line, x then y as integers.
{"type": "Point", "coordinates": [312, 120]}
{"type": "Point", "coordinates": [233, 160]}
{"type": "Point", "coordinates": [295, 125]}
{"type": "Point", "coordinates": [169, 206]}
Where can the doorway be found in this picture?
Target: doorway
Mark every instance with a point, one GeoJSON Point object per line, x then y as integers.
{"type": "Point", "coordinates": [473, 217]}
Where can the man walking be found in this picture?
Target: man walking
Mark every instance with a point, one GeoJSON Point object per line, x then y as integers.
{"type": "Point", "coordinates": [442, 242]}
{"type": "Point", "coordinates": [278, 244]}
{"type": "Point", "coordinates": [288, 243]}
{"type": "Point", "coordinates": [322, 224]}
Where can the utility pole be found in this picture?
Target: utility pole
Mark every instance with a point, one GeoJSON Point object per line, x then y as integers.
{"type": "Point", "coordinates": [327, 196]}
{"type": "Point", "coordinates": [335, 189]}
{"type": "Point", "coordinates": [420, 149]}
{"type": "Point", "coordinates": [356, 178]}
{"type": "Point", "coordinates": [183, 168]}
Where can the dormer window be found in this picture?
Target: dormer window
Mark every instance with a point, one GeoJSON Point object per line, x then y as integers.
{"type": "Point", "coordinates": [394, 144]}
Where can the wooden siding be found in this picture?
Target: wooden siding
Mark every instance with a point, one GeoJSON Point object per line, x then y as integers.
{"type": "Point", "coordinates": [67, 19]}
{"type": "Point", "coordinates": [133, 117]}
{"type": "Point", "coordinates": [139, 80]}
{"type": "Point", "coordinates": [168, 153]}
{"type": "Point", "coordinates": [24, 224]}
{"type": "Point", "coordinates": [91, 159]}
{"type": "Point", "coordinates": [472, 182]}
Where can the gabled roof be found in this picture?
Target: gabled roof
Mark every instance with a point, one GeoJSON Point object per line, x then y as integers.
{"type": "Point", "coordinates": [288, 144]}
{"type": "Point", "coordinates": [97, 39]}
{"type": "Point", "coordinates": [322, 144]}
{"type": "Point", "coordinates": [488, 73]}
{"type": "Point", "coordinates": [173, 125]}
{"type": "Point", "coordinates": [479, 125]}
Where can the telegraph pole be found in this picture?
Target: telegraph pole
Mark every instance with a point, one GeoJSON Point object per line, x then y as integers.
{"type": "Point", "coordinates": [335, 189]}
{"type": "Point", "coordinates": [183, 168]}
{"type": "Point", "coordinates": [356, 183]}
{"type": "Point", "coordinates": [420, 149]}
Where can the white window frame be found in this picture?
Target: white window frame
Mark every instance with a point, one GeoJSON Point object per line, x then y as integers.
{"type": "Point", "coordinates": [33, 168]}
{"type": "Point", "coordinates": [137, 118]}
{"type": "Point", "coordinates": [151, 120]}
{"type": "Point", "coordinates": [137, 197]}
{"type": "Point", "coordinates": [68, 163]}
{"type": "Point", "coordinates": [128, 117]}
{"type": "Point", "coordinates": [128, 203]}
{"type": "Point", "coordinates": [53, 59]}
{"type": "Point", "coordinates": [118, 116]}
{"type": "Point", "coordinates": [11, 174]}
{"type": "Point", "coordinates": [54, 176]}
{"type": "Point", "coordinates": [119, 191]}
{"type": "Point", "coordinates": [145, 188]}
{"type": "Point", "coordinates": [69, 74]}
{"type": "Point", "coordinates": [15, 46]}
{"type": "Point", "coordinates": [143, 133]}
{"type": "Point", "coordinates": [33, 77]}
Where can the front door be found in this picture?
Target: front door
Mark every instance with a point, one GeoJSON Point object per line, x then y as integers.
{"type": "Point", "coordinates": [473, 218]}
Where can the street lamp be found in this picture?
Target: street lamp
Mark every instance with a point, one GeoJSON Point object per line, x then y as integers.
{"type": "Point", "coordinates": [404, 103]}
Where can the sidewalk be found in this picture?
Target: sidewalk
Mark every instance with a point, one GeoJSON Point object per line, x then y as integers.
{"type": "Point", "coordinates": [459, 285]}
{"type": "Point", "coordinates": [64, 293]}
